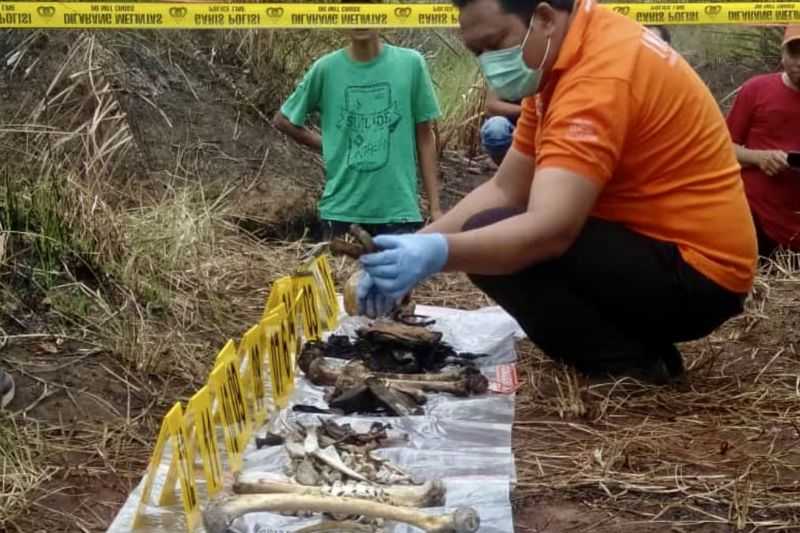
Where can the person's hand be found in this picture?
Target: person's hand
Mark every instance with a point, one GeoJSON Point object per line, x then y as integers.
{"type": "Point", "coordinates": [773, 162]}
{"type": "Point", "coordinates": [404, 261]}
{"type": "Point", "coordinates": [371, 301]}
{"type": "Point", "coordinates": [436, 213]}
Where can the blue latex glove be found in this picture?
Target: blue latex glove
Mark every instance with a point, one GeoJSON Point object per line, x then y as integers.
{"type": "Point", "coordinates": [371, 301]}
{"type": "Point", "coordinates": [404, 261]}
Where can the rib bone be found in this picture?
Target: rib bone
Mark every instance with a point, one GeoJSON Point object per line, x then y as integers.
{"type": "Point", "coordinates": [220, 514]}
{"type": "Point", "coordinates": [430, 494]}
{"type": "Point", "coordinates": [329, 455]}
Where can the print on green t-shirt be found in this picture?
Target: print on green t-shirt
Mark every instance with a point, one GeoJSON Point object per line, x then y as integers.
{"type": "Point", "coordinates": [371, 120]}
{"type": "Point", "coordinates": [369, 112]}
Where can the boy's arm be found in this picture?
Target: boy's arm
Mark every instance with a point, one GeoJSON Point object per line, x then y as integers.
{"type": "Point", "coordinates": [291, 117]}
{"type": "Point", "coordinates": [426, 111]}
{"type": "Point", "coordinates": [300, 134]}
{"type": "Point", "coordinates": [429, 166]}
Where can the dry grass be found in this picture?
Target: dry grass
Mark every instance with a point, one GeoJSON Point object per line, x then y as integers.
{"type": "Point", "coordinates": [21, 475]}
{"type": "Point", "coordinates": [721, 451]}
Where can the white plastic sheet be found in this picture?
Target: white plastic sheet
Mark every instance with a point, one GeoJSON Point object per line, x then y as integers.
{"type": "Point", "coordinates": [465, 442]}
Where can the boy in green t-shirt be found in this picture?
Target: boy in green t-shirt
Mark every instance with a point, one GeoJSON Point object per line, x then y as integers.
{"type": "Point", "coordinates": [377, 107]}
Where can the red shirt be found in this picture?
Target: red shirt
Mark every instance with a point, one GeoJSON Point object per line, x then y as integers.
{"type": "Point", "coordinates": [766, 116]}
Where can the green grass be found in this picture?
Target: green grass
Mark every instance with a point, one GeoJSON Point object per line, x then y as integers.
{"type": "Point", "coordinates": [457, 78]}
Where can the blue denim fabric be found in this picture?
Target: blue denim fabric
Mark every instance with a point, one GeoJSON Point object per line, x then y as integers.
{"type": "Point", "coordinates": [496, 136]}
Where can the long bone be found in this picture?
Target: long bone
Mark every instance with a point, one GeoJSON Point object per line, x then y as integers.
{"type": "Point", "coordinates": [429, 494]}
{"type": "Point", "coordinates": [220, 514]}
{"type": "Point", "coordinates": [458, 383]}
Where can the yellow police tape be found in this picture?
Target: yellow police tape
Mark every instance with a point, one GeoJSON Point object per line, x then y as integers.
{"type": "Point", "coordinates": [144, 15]}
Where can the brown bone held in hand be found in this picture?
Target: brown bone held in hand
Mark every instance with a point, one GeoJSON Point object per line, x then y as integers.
{"type": "Point", "coordinates": [354, 250]}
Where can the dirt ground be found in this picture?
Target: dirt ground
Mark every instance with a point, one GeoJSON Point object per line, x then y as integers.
{"type": "Point", "coordinates": [590, 457]}
{"type": "Point", "coordinates": [719, 453]}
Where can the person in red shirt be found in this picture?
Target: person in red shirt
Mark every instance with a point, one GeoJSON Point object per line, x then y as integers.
{"type": "Point", "coordinates": [765, 126]}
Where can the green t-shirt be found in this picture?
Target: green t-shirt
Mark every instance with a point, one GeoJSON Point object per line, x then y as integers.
{"type": "Point", "coordinates": [369, 113]}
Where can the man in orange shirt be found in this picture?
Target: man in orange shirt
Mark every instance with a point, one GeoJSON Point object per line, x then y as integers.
{"type": "Point", "coordinates": [617, 223]}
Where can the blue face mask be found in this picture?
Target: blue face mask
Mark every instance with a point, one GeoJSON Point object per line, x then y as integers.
{"type": "Point", "coordinates": [508, 75]}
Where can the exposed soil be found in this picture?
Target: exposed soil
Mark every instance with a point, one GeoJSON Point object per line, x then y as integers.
{"type": "Point", "coordinates": [689, 457]}
{"type": "Point", "coordinates": [190, 115]}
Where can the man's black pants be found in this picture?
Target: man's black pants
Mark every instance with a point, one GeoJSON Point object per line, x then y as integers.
{"type": "Point", "coordinates": [615, 301]}
{"type": "Point", "coordinates": [335, 228]}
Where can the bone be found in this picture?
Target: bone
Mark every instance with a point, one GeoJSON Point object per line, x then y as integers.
{"type": "Point", "coordinates": [219, 515]}
{"type": "Point", "coordinates": [321, 373]}
{"type": "Point", "coordinates": [328, 455]}
{"type": "Point", "coordinates": [354, 250]}
{"type": "Point", "coordinates": [417, 394]}
{"type": "Point", "coordinates": [458, 383]}
{"type": "Point", "coordinates": [363, 237]}
{"type": "Point", "coordinates": [399, 403]}
{"type": "Point", "coordinates": [335, 526]}
{"type": "Point", "coordinates": [398, 333]}
{"type": "Point", "coordinates": [469, 384]}
{"type": "Point", "coordinates": [350, 249]}
{"type": "Point", "coordinates": [311, 351]}
{"type": "Point", "coordinates": [430, 494]}
{"type": "Point", "coordinates": [437, 377]}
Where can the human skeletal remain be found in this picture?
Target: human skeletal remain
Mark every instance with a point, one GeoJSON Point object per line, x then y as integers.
{"type": "Point", "coordinates": [314, 464]}
{"type": "Point", "coordinates": [363, 245]}
{"type": "Point", "coordinates": [354, 250]}
{"type": "Point", "coordinates": [335, 526]}
{"type": "Point", "coordinates": [388, 331]}
{"type": "Point", "coordinates": [429, 494]}
{"type": "Point", "coordinates": [220, 514]}
{"type": "Point", "coordinates": [459, 383]}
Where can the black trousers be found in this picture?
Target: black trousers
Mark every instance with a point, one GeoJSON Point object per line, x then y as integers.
{"type": "Point", "coordinates": [615, 301]}
{"type": "Point", "coordinates": [335, 228]}
{"type": "Point", "coordinates": [766, 246]}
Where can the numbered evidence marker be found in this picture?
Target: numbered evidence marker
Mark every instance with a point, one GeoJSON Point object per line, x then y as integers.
{"type": "Point", "coordinates": [240, 364]}
{"type": "Point", "coordinates": [200, 428]}
{"type": "Point", "coordinates": [253, 348]}
{"type": "Point", "coordinates": [281, 366]}
{"type": "Point", "coordinates": [174, 430]}
{"type": "Point", "coordinates": [283, 293]}
{"type": "Point", "coordinates": [328, 303]}
{"type": "Point", "coordinates": [306, 289]}
{"type": "Point", "coordinates": [226, 388]}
